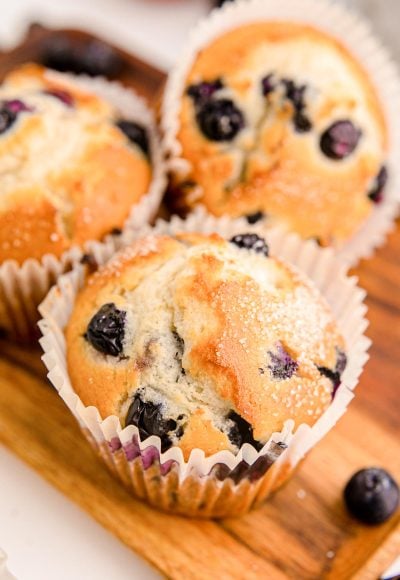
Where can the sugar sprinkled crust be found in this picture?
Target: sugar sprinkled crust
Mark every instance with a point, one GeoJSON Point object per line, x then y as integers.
{"type": "Point", "coordinates": [290, 83]}
{"type": "Point", "coordinates": [68, 174]}
{"type": "Point", "coordinates": [217, 341]}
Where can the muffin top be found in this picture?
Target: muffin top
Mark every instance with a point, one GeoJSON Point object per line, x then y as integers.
{"type": "Point", "coordinates": [205, 343]}
{"type": "Point", "coordinates": [279, 119]}
{"type": "Point", "coordinates": [70, 167]}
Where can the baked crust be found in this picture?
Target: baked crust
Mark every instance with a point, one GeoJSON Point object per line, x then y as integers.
{"type": "Point", "coordinates": [67, 173]}
{"type": "Point", "coordinates": [269, 166]}
{"type": "Point", "coordinates": [234, 311]}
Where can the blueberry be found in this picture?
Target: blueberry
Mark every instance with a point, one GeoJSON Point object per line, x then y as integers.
{"type": "Point", "coordinates": [302, 123]}
{"type": "Point", "coordinates": [7, 119]}
{"type": "Point", "coordinates": [63, 96]}
{"type": "Point", "coordinates": [282, 366]}
{"type": "Point", "coordinates": [251, 242]}
{"type": "Point", "coordinates": [335, 375]}
{"type": "Point", "coordinates": [17, 106]}
{"type": "Point", "coordinates": [241, 432]}
{"type": "Point", "coordinates": [90, 57]}
{"type": "Point", "coordinates": [9, 111]}
{"type": "Point", "coordinates": [372, 495]}
{"type": "Point", "coordinates": [253, 218]}
{"type": "Point", "coordinates": [148, 418]}
{"type": "Point", "coordinates": [205, 90]}
{"type": "Point", "coordinates": [294, 93]}
{"type": "Point", "coordinates": [135, 133]}
{"type": "Point", "coordinates": [106, 330]}
{"type": "Point", "coordinates": [376, 193]}
{"type": "Point", "coordinates": [340, 140]}
{"type": "Point", "coordinates": [220, 119]}
{"type": "Point", "coordinates": [219, 3]}
{"type": "Point", "coordinates": [267, 84]}
{"type": "Point", "coordinates": [100, 59]}
{"type": "Point", "coordinates": [341, 361]}
{"type": "Point", "coordinates": [59, 53]}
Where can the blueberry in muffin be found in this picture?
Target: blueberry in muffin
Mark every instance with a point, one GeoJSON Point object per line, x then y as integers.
{"type": "Point", "coordinates": [203, 342]}
{"type": "Point", "coordinates": [262, 128]}
{"type": "Point", "coordinates": [71, 168]}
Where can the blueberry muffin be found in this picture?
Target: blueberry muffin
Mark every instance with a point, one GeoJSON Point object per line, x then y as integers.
{"type": "Point", "coordinates": [70, 167]}
{"type": "Point", "coordinates": [203, 342]}
{"type": "Point", "coordinates": [279, 120]}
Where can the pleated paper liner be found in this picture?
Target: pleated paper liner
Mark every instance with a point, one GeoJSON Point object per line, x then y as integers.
{"type": "Point", "coordinates": [223, 484]}
{"type": "Point", "coordinates": [24, 286]}
{"type": "Point", "coordinates": [355, 33]}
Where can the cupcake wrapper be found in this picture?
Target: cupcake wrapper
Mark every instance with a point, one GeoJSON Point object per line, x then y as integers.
{"type": "Point", "coordinates": [353, 32]}
{"type": "Point", "coordinates": [222, 484]}
{"type": "Point", "coordinates": [23, 287]}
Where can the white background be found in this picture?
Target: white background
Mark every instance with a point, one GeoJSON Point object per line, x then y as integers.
{"type": "Point", "coordinates": [46, 536]}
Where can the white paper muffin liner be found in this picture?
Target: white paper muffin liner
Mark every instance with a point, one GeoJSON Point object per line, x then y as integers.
{"type": "Point", "coordinates": [223, 484]}
{"type": "Point", "coordinates": [356, 34]}
{"type": "Point", "coordinates": [23, 287]}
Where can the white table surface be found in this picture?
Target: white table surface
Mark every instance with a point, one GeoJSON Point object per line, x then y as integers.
{"type": "Point", "coordinates": [46, 536]}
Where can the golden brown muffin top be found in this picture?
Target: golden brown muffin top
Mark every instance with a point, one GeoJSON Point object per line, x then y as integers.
{"type": "Point", "coordinates": [203, 343]}
{"type": "Point", "coordinates": [68, 173]}
{"type": "Point", "coordinates": [279, 118]}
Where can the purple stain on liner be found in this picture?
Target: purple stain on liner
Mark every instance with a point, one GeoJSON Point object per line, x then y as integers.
{"type": "Point", "coordinates": [115, 444]}
{"type": "Point", "coordinates": [166, 467]}
{"type": "Point", "coordinates": [131, 449]}
{"type": "Point", "coordinates": [150, 456]}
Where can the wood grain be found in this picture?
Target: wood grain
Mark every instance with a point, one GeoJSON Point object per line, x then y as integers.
{"type": "Point", "coordinates": [304, 532]}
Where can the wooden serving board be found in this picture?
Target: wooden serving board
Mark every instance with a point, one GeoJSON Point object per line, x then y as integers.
{"type": "Point", "coordinates": [304, 532]}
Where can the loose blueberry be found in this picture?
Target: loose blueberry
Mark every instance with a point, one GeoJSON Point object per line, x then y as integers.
{"type": "Point", "coordinates": [220, 120]}
{"type": "Point", "coordinates": [335, 375]}
{"type": "Point", "coordinates": [63, 96]}
{"type": "Point", "coordinates": [253, 218]}
{"type": "Point", "coordinates": [135, 133]}
{"type": "Point", "coordinates": [205, 90]}
{"type": "Point", "coordinates": [241, 432]}
{"type": "Point", "coordinates": [268, 84]}
{"type": "Point", "coordinates": [92, 58]}
{"type": "Point", "coordinates": [378, 187]}
{"type": "Point", "coordinates": [251, 242]}
{"type": "Point", "coordinates": [148, 418]}
{"type": "Point", "coordinates": [340, 140]}
{"type": "Point", "coordinates": [372, 495]}
{"type": "Point", "coordinates": [282, 366]}
{"type": "Point", "coordinates": [100, 59]}
{"type": "Point", "coordinates": [106, 330]}
{"type": "Point", "coordinates": [59, 53]}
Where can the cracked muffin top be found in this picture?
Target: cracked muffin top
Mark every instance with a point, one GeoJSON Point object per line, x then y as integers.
{"type": "Point", "coordinates": [70, 167]}
{"type": "Point", "coordinates": [278, 119]}
{"type": "Point", "coordinates": [203, 342]}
